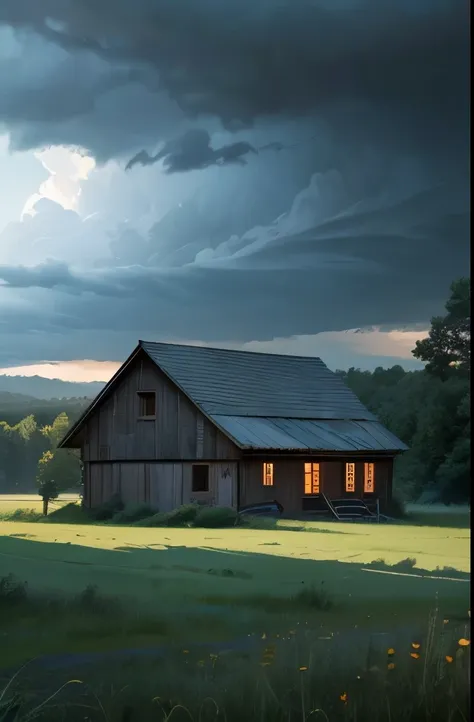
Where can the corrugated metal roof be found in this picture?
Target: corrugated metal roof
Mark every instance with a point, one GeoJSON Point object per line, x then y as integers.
{"type": "Point", "coordinates": [243, 383]}
{"type": "Point", "coordinates": [304, 434]}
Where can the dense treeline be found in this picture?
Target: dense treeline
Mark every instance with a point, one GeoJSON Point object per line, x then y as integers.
{"type": "Point", "coordinates": [429, 410]}
{"type": "Point", "coordinates": [27, 449]}
{"type": "Point", "coordinates": [432, 417]}
{"type": "Point", "coordinates": [15, 407]}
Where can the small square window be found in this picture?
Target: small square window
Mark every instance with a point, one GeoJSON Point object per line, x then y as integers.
{"type": "Point", "coordinates": [147, 404]}
{"type": "Point", "coordinates": [267, 475]}
{"type": "Point", "coordinates": [200, 481]}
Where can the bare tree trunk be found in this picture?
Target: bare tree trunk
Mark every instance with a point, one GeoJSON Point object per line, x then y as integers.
{"type": "Point", "coordinates": [45, 505]}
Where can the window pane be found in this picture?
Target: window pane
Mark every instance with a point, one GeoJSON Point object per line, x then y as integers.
{"type": "Point", "coordinates": [350, 477]}
{"type": "Point", "coordinates": [147, 403]}
{"type": "Point", "coordinates": [268, 475]}
{"type": "Point", "coordinates": [369, 478]}
{"type": "Point", "coordinates": [315, 478]}
{"type": "Point", "coordinates": [311, 478]}
{"type": "Point", "coordinates": [200, 480]}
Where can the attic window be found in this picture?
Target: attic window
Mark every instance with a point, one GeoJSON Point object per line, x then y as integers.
{"type": "Point", "coordinates": [147, 404]}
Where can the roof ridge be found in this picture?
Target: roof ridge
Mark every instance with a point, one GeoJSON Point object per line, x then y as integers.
{"type": "Point", "coordinates": [233, 350]}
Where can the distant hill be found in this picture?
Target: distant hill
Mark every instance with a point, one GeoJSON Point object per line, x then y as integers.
{"type": "Point", "coordinates": [38, 387]}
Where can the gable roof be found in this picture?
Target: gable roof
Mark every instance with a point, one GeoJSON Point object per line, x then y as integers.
{"type": "Point", "coordinates": [264, 401]}
{"type": "Point", "coordinates": [243, 383]}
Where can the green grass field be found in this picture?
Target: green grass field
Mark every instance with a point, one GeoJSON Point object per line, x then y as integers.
{"type": "Point", "coordinates": [179, 588]}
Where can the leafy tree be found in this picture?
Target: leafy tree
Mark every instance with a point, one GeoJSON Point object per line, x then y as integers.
{"type": "Point", "coordinates": [58, 471]}
{"type": "Point", "coordinates": [56, 431]}
{"type": "Point", "coordinates": [448, 346]}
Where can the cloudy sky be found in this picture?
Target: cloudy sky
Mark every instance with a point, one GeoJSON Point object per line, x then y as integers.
{"type": "Point", "coordinates": [286, 175]}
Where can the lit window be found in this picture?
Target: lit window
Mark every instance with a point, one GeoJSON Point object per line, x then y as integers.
{"type": "Point", "coordinates": [311, 478]}
{"type": "Point", "coordinates": [369, 479]}
{"type": "Point", "coordinates": [268, 475]}
{"type": "Point", "coordinates": [350, 477]}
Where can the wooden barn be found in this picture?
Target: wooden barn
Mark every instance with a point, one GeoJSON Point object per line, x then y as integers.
{"type": "Point", "coordinates": [180, 423]}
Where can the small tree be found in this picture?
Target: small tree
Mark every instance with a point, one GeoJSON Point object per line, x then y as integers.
{"type": "Point", "coordinates": [57, 471]}
{"type": "Point", "coordinates": [448, 346]}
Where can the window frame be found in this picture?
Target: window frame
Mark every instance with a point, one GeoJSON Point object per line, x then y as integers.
{"type": "Point", "coordinates": [208, 487]}
{"type": "Point", "coordinates": [348, 490]}
{"type": "Point", "coordinates": [268, 471]}
{"type": "Point", "coordinates": [367, 466]}
{"type": "Point", "coordinates": [142, 394]}
{"type": "Point", "coordinates": [313, 472]}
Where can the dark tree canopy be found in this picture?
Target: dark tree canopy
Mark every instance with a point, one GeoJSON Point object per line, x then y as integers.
{"type": "Point", "coordinates": [448, 346]}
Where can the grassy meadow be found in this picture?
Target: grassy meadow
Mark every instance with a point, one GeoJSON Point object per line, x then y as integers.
{"type": "Point", "coordinates": [271, 623]}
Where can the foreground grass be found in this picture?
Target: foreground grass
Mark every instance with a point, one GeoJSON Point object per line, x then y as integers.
{"type": "Point", "coordinates": [224, 584]}
{"type": "Point", "coordinates": [297, 675]}
{"type": "Point", "coordinates": [236, 624]}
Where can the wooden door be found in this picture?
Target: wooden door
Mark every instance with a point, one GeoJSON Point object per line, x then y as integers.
{"type": "Point", "coordinates": [225, 487]}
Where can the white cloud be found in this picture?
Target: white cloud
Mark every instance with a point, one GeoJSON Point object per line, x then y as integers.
{"type": "Point", "coordinates": [67, 169]}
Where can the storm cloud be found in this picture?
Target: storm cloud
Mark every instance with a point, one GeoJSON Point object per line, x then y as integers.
{"type": "Point", "coordinates": [192, 151]}
{"type": "Point", "coordinates": [242, 60]}
{"type": "Point", "coordinates": [237, 227]}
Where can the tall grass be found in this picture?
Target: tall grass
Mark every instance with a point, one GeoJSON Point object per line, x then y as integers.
{"type": "Point", "coordinates": [284, 679]}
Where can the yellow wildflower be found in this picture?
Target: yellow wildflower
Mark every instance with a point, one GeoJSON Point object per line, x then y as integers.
{"type": "Point", "coordinates": [390, 652]}
{"type": "Point", "coordinates": [391, 665]}
{"type": "Point", "coordinates": [449, 659]}
{"type": "Point", "coordinates": [464, 642]}
{"type": "Point", "coordinates": [415, 655]}
{"type": "Point", "coordinates": [303, 669]}
{"type": "Point", "coordinates": [343, 697]}
{"type": "Point", "coordinates": [415, 645]}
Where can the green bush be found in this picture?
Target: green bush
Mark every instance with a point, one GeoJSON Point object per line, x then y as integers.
{"type": "Point", "coordinates": [396, 508]}
{"type": "Point", "coordinates": [71, 513]}
{"type": "Point", "coordinates": [21, 515]}
{"type": "Point", "coordinates": [159, 519]}
{"type": "Point", "coordinates": [107, 509]}
{"type": "Point", "coordinates": [214, 517]}
{"type": "Point", "coordinates": [12, 591]}
{"type": "Point", "coordinates": [314, 598]}
{"type": "Point", "coordinates": [182, 516]}
{"type": "Point", "coordinates": [133, 512]}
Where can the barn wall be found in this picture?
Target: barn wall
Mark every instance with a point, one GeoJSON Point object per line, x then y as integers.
{"type": "Point", "coordinates": [164, 486]}
{"type": "Point", "coordinates": [288, 486]}
{"type": "Point", "coordinates": [115, 432]}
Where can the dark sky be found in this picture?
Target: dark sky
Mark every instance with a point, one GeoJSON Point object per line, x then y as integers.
{"type": "Point", "coordinates": [295, 166]}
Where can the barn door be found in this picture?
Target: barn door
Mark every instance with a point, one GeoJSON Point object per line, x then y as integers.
{"type": "Point", "coordinates": [225, 487]}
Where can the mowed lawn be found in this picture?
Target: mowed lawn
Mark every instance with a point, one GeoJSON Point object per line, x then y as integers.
{"type": "Point", "coordinates": [205, 584]}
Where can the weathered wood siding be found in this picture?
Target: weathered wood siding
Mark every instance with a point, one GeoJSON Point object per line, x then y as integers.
{"type": "Point", "coordinates": [164, 486]}
{"type": "Point", "coordinates": [115, 432]}
{"type": "Point", "coordinates": [288, 481]}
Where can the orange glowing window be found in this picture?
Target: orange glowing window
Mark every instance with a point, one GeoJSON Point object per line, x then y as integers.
{"type": "Point", "coordinates": [311, 478]}
{"type": "Point", "coordinates": [268, 475]}
{"type": "Point", "coordinates": [369, 478]}
{"type": "Point", "coordinates": [350, 477]}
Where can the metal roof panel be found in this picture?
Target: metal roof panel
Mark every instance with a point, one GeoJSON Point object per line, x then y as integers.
{"type": "Point", "coordinates": [243, 383]}
{"type": "Point", "coordinates": [308, 434]}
